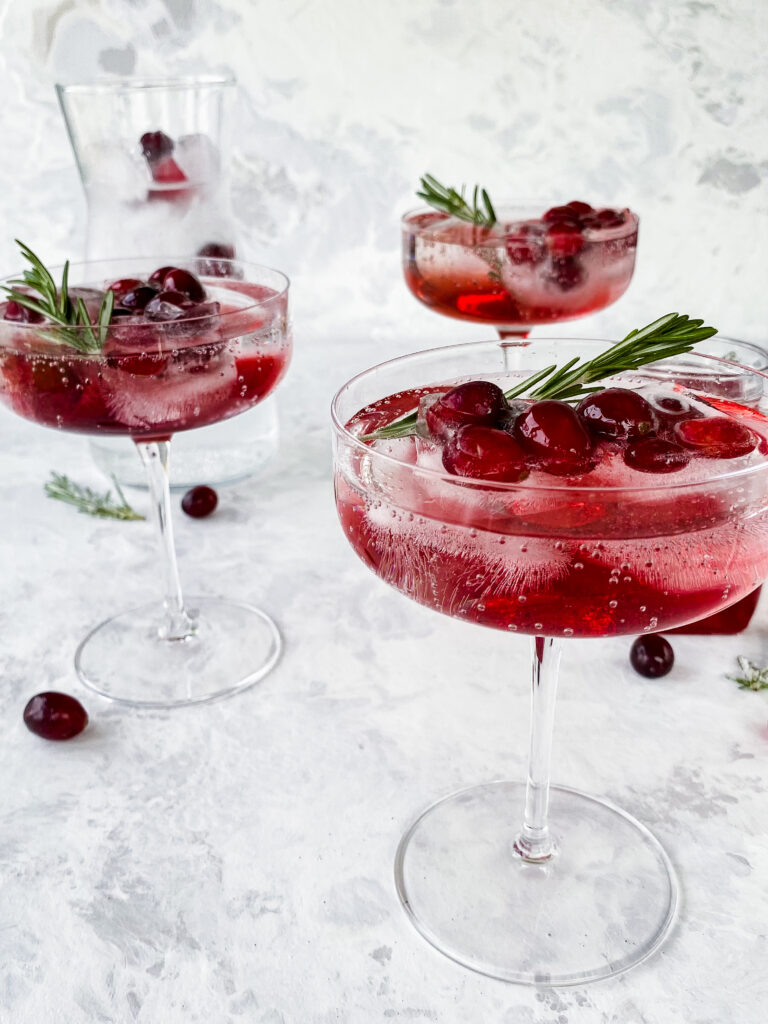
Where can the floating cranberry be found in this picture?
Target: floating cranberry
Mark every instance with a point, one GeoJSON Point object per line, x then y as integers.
{"type": "Point", "coordinates": [716, 437]}
{"type": "Point", "coordinates": [564, 238]}
{"type": "Point", "coordinates": [484, 453]}
{"type": "Point", "coordinates": [156, 279]}
{"type": "Point", "coordinates": [166, 306]}
{"type": "Point", "coordinates": [55, 716]}
{"type": "Point", "coordinates": [524, 244]}
{"type": "Point", "coordinates": [214, 259]}
{"type": "Point", "coordinates": [124, 285]}
{"type": "Point", "coordinates": [177, 280]}
{"type": "Point", "coordinates": [552, 432]}
{"type": "Point", "coordinates": [566, 272]}
{"type": "Point", "coordinates": [19, 314]}
{"type": "Point", "coordinates": [562, 213]}
{"type": "Point", "coordinates": [656, 455]}
{"type": "Point", "coordinates": [618, 413]}
{"type": "Point", "coordinates": [652, 655]}
{"type": "Point", "coordinates": [477, 402]}
{"type": "Point", "coordinates": [155, 146]}
{"type": "Point", "coordinates": [578, 207]}
{"type": "Point", "coordinates": [673, 408]}
{"type": "Point", "coordinates": [200, 501]}
{"type": "Point", "coordinates": [138, 298]}
{"type": "Point", "coordinates": [610, 218]}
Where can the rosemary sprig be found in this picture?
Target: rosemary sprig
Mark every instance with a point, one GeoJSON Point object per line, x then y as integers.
{"type": "Point", "coordinates": [670, 335]}
{"type": "Point", "coordinates": [89, 502]}
{"type": "Point", "coordinates": [448, 200]}
{"type": "Point", "coordinates": [752, 676]}
{"type": "Point", "coordinates": [56, 305]}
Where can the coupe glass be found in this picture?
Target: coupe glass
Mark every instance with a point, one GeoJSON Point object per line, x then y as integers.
{"type": "Point", "coordinates": [508, 280]}
{"type": "Point", "coordinates": [149, 381]}
{"type": "Point", "coordinates": [597, 894]}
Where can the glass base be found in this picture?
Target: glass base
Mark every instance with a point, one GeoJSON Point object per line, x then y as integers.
{"type": "Point", "coordinates": [222, 453]}
{"type": "Point", "coordinates": [125, 659]}
{"type": "Point", "coordinates": [604, 902]}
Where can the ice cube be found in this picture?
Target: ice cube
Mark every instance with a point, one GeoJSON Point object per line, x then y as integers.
{"type": "Point", "coordinates": [198, 157]}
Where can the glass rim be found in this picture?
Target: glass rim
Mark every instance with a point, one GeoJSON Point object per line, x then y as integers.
{"type": "Point", "coordinates": [620, 231]}
{"type": "Point", "coordinates": [41, 328]}
{"type": "Point", "coordinates": [525, 485]}
{"type": "Point", "coordinates": [118, 83]}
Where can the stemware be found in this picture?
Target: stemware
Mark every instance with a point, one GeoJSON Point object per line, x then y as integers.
{"type": "Point", "coordinates": [515, 275]}
{"type": "Point", "coordinates": [611, 553]}
{"type": "Point", "coordinates": [147, 380]}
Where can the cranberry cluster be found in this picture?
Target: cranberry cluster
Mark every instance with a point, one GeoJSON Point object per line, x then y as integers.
{"type": "Point", "coordinates": [485, 437]}
{"type": "Point", "coordinates": [559, 236]}
{"type": "Point", "coordinates": [170, 293]}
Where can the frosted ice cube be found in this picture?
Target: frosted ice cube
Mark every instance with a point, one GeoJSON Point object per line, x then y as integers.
{"type": "Point", "coordinates": [198, 157]}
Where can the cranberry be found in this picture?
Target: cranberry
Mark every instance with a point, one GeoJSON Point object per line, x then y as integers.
{"type": "Point", "coordinates": [200, 501]}
{"type": "Point", "coordinates": [214, 257]}
{"type": "Point", "coordinates": [177, 280]}
{"type": "Point", "coordinates": [564, 238]}
{"type": "Point", "coordinates": [717, 437]}
{"type": "Point", "coordinates": [617, 412]}
{"type": "Point", "coordinates": [551, 431]}
{"type": "Point", "coordinates": [656, 455]}
{"type": "Point", "coordinates": [610, 218]}
{"type": "Point", "coordinates": [167, 306]}
{"type": "Point", "coordinates": [156, 279]}
{"type": "Point", "coordinates": [524, 244]}
{"type": "Point", "coordinates": [55, 716]}
{"type": "Point", "coordinates": [155, 146]}
{"type": "Point", "coordinates": [578, 207]}
{"type": "Point", "coordinates": [124, 285]}
{"type": "Point", "coordinates": [566, 272]}
{"type": "Point", "coordinates": [19, 314]}
{"type": "Point", "coordinates": [138, 298]}
{"type": "Point", "coordinates": [561, 213]}
{"type": "Point", "coordinates": [484, 453]}
{"type": "Point", "coordinates": [477, 402]}
{"type": "Point", "coordinates": [673, 408]}
{"type": "Point", "coordinates": [652, 655]}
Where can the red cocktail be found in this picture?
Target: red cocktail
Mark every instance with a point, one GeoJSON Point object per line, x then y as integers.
{"type": "Point", "coordinates": [126, 348]}
{"type": "Point", "coordinates": [642, 507]}
{"type": "Point", "coordinates": [530, 267]}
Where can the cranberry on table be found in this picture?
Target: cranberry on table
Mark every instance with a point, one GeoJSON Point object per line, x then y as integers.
{"type": "Point", "coordinates": [484, 453]}
{"type": "Point", "coordinates": [551, 431]}
{"type": "Point", "coordinates": [55, 716]}
{"type": "Point", "coordinates": [656, 455]}
{"type": "Point", "coordinates": [652, 655]}
{"type": "Point", "coordinates": [477, 402]}
{"type": "Point", "coordinates": [200, 501]}
{"type": "Point", "coordinates": [716, 437]}
{"type": "Point", "coordinates": [617, 413]}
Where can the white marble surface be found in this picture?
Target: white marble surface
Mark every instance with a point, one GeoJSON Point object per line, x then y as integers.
{"type": "Point", "coordinates": [234, 863]}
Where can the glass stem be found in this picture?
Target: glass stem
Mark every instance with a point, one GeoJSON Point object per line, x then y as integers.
{"type": "Point", "coordinates": [177, 624]}
{"type": "Point", "coordinates": [512, 334]}
{"type": "Point", "coordinates": [534, 842]}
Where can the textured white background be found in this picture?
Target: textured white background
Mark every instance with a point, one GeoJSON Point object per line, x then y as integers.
{"type": "Point", "coordinates": [234, 863]}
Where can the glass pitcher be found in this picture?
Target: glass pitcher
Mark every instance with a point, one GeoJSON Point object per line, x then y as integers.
{"type": "Point", "coordinates": [154, 157]}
